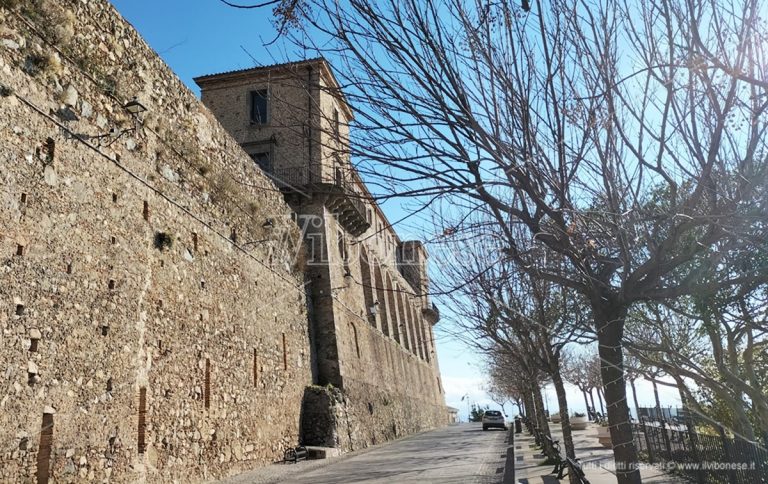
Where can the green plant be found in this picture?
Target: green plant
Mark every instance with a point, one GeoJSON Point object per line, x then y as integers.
{"type": "Point", "coordinates": [477, 412]}
{"type": "Point", "coordinates": [203, 169]}
{"type": "Point", "coordinates": [163, 241]}
{"type": "Point", "coordinates": [35, 64]}
{"type": "Point", "coordinates": [9, 4]}
{"type": "Point", "coordinates": [109, 85]}
{"type": "Point", "coordinates": [223, 188]}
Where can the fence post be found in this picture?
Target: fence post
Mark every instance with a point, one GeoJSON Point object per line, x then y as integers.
{"type": "Point", "coordinates": [667, 443]}
{"type": "Point", "coordinates": [761, 456]}
{"type": "Point", "coordinates": [732, 476]}
{"type": "Point", "coordinates": [647, 442]}
{"type": "Point", "coordinates": [700, 476]}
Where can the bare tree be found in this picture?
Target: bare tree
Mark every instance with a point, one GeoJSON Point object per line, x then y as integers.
{"type": "Point", "coordinates": [499, 393]}
{"type": "Point", "coordinates": [576, 372]}
{"type": "Point", "coordinates": [626, 137]}
{"type": "Point", "coordinates": [535, 320]}
{"type": "Point", "coordinates": [727, 331]}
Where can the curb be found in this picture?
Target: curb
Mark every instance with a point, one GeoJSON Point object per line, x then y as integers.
{"type": "Point", "coordinates": [509, 464]}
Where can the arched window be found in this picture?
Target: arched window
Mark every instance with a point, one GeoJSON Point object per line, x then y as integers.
{"type": "Point", "coordinates": [403, 318]}
{"type": "Point", "coordinates": [424, 336]}
{"type": "Point", "coordinates": [365, 269]}
{"type": "Point", "coordinates": [411, 330]}
{"type": "Point", "coordinates": [392, 305]}
{"type": "Point", "coordinates": [382, 300]}
{"type": "Point", "coordinates": [419, 338]}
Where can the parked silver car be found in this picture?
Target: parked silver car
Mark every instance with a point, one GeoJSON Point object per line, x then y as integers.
{"type": "Point", "coordinates": [494, 418]}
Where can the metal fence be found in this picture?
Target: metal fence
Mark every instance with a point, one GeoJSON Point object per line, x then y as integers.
{"type": "Point", "coordinates": [705, 455]}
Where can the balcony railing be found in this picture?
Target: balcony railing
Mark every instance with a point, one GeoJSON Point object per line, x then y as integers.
{"type": "Point", "coordinates": [342, 199]}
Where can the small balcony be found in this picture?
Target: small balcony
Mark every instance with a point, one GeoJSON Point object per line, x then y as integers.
{"type": "Point", "coordinates": [341, 199]}
{"type": "Point", "coordinates": [431, 314]}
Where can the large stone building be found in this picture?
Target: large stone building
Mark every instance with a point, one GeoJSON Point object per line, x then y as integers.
{"type": "Point", "coordinates": [371, 317]}
{"type": "Point", "coordinates": [155, 322]}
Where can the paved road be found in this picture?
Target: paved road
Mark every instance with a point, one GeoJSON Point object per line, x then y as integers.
{"type": "Point", "coordinates": [456, 454]}
{"type": "Point", "coordinates": [459, 453]}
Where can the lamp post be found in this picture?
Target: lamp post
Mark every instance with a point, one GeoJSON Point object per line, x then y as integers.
{"type": "Point", "coordinates": [466, 396]}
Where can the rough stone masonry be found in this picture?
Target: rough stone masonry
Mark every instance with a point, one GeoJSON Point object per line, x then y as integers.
{"type": "Point", "coordinates": [145, 335]}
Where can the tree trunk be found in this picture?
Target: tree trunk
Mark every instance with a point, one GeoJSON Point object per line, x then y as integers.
{"type": "Point", "coordinates": [600, 399]}
{"type": "Point", "coordinates": [586, 405]}
{"type": "Point", "coordinates": [659, 415]}
{"type": "Point", "coordinates": [634, 397]}
{"type": "Point", "coordinates": [610, 317]}
{"type": "Point", "coordinates": [741, 421]}
{"type": "Point", "coordinates": [592, 397]}
{"type": "Point", "coordinates": [681, 391]}
{"type": "Point", "coordinates": [530, 408]}
{"type": "Point", "coordinates": [541, 415]}
{"type": "Point", "coordinates": [565, 421]}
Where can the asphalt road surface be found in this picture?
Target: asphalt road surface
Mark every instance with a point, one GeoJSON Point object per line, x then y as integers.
{"type": "Point", "coordinates": [461, 453]}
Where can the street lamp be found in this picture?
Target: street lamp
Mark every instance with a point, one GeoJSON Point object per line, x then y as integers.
{"type": "Point", "coordinates": [134, 107]}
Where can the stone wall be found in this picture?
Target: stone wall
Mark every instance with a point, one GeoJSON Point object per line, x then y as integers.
{"type": "Point", "coordinates": [130, 298]}
{"type": "Point", "coordinates": [388, 388]}
{"type": "Point", "coordinates": [382, 365]}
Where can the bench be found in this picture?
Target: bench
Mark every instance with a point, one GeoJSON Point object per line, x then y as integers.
{"type": "Point", "coordinates": [575, 468]}
{"type": "Point", "coordinates": [552, 449]}
{"type": "Point", "coordinates": [296, 454]}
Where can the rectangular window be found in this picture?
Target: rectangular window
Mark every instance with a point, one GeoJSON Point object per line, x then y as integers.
{"type": "Point", "coordinates": [263, 159]}
{"type": "Point", "coordinates": [336, 126]}
{"type": "Point", "coordinates": [259, 106]}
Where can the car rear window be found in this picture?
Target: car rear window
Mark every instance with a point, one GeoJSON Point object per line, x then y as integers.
{"type": "Point", "coordinates": [493, 413]}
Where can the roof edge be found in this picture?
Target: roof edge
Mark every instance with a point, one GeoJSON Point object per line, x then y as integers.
{"type": "Point", "coordinates": [321, 62]}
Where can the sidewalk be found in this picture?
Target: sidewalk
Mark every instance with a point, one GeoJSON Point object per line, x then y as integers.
{"type": "Point", "coordinates": [596, 460]}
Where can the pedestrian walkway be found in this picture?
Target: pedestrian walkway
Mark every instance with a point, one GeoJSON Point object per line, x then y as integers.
{"type": "Point", "coordinates": [596, 460]}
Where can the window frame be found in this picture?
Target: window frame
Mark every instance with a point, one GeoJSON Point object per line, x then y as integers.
{"type": "Point", "coordinates": [270, 157]}
{"type": "Point", "coordinates": [251, 105]}
{"type": "Point", "coordinates": [336, 125]}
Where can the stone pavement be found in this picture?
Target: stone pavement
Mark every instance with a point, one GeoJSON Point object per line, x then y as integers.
{"type": "Point", "coordinates": [461, 453]}
{"type": "Point", "coordinates": [596, 460]}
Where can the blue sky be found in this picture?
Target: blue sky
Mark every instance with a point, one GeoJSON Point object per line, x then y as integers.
{"type": "Point", "coordinates": [211, 37]}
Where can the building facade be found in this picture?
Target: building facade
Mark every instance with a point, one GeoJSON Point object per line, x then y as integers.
{"type": "Point", "coordinates": [156, 324]}
{"type": "Point", "coordinates": [371, 317]}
